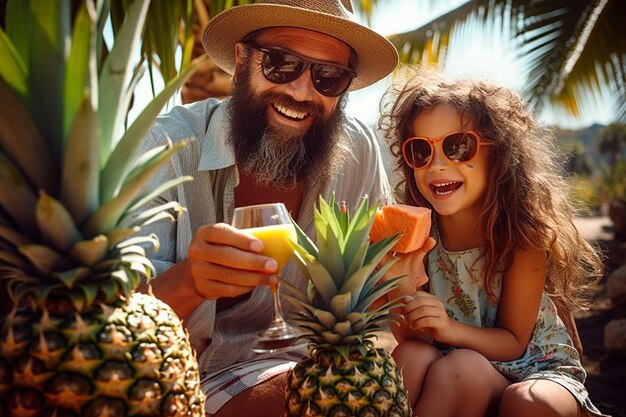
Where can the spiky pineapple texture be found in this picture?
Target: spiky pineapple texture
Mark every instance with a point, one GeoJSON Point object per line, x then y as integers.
{"type": "Point", "coordinates": [345, 374]}
{"type": "Point", "coordinates": [127, 358]}
{"type": "Point", "coordinates": [75, 338]}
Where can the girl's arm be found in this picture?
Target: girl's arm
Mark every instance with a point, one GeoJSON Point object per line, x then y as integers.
{"type": "Point", "coordinates": [520, 300]}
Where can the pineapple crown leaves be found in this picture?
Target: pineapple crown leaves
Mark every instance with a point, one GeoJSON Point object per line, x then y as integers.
{"type": "Point", "coordinates": [342, 262]}
{"type": "Point", "coordinates": [344, 272]}
{"type": "Point", "coordinates": [68, 176]}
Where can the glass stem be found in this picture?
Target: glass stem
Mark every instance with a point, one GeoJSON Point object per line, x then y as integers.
{"type": "Point", "coordinates": [278, 315]}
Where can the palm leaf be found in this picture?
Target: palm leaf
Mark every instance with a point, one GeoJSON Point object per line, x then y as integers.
{"type": "Point", "coordinates": [23, 143]}
{"type": "Point", "coordinates": [48, 51]}
{"type": "Point", "coordinates": [569, 49]}
{"type": "Point", "coordinates": [115, 77]}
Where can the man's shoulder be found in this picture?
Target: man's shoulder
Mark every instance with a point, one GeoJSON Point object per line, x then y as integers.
{"type": "Point", "coordinates": [188, 120]}
{"type": "Point", "coordinates": [357, 128]}
{"type": "Point", "coordinates": [360, 137]}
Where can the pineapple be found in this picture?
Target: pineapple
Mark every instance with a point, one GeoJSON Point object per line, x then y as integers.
{"type": "Point", "coordinates": [344, 374]}
{"type": "Point", "coordinates": [75, 338]}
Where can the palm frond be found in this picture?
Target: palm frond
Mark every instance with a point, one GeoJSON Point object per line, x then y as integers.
{"type": "Point", "coordinates": [570, 49]}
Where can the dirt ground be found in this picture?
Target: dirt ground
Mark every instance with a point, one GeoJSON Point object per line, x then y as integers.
{"type": "Point", "coordinates": [606, 379]}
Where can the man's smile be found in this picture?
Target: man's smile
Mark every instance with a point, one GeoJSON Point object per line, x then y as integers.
{"type": "Point", "coordinates": [290, 113]}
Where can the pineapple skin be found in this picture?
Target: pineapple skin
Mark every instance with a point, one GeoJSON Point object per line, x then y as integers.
{"type": "Point", "coordinates": [329, 385]}
{"type": "Point", "coordinates": [128, 359]}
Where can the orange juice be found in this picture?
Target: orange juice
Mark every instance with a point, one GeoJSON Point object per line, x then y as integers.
{"type": "Point", "coordinates": [276, 241]}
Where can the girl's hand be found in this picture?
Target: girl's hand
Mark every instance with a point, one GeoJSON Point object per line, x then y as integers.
{"type": "Point", "coordinates": [426, 313]}
{"type": "Point", "coordinates": [411, 265]}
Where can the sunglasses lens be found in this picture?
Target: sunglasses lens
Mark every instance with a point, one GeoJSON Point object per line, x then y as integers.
{"type": "Point", "coordinates": [417, 152]}
{"type": "Point", "coordinates": [460, 147]}
{"type": "Point", "coordinates": [330, 80]}
{"type": "Point", "coordinates": [280, 67]}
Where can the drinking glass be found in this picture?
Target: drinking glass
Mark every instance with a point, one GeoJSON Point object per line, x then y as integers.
{"type": "Point", "coordinates": [271, 224]}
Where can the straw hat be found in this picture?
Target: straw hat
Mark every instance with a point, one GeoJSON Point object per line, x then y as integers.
{"type": "Point", "coordinates": [377, 57]}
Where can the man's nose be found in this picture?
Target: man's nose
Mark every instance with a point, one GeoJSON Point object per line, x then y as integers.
{"type": "Point", "coordinates": [302, 89]}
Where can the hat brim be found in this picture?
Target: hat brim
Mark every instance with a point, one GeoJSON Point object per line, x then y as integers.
{"type": "Point", "coordinates": [377, 57]}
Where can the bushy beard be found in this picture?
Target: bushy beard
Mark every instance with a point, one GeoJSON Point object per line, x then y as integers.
{"type": "Point", "coordinates": [279, 155]}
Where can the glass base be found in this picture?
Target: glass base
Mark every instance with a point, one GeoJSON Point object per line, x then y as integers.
{"type": "Point", "coordinates": [279, 337]}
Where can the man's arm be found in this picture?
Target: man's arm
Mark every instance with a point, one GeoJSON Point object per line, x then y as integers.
{"type": "Point", "coordinates": [175, 287]}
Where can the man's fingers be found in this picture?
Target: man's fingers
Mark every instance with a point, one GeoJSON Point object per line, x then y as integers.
{"type": "Point", "coordinates": [212, 290]}
{"type": "Point", "coordinates": [225, 234]}
{"type": "Point", "coordinates": [224, 245]}
{"type": "Point", "coordinates": [231, 257]}
{"type": "Point", "coordinates": [214, 281]}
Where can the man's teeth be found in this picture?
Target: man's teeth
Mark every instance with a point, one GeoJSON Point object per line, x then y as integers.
{"type": "Point", "coordinates": [294, 114]}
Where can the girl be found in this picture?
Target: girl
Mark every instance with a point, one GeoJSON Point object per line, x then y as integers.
{"type": "Point", "coordinates": [485, 339]}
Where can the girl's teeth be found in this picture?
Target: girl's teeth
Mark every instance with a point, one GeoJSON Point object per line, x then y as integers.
{"type": "Point", "coordinates": [446, 188]}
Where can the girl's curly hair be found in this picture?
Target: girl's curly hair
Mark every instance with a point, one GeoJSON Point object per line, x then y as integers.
{"type": "Point", "coordinates": [527, 204]}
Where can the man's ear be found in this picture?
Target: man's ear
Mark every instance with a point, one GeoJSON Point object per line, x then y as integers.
{"type": "Point", "coordinates": [240, 51]}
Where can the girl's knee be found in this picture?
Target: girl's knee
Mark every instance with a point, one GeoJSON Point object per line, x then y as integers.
{"type": "Point", "coordinates": [538, 397]}
{"type": "Point", "coordinates": [412, 351]}
{"type": "Point", "coordinates": [465, 363]}
{"type": "Point", "coordinates": [468, 380]}
{"type": "Point", "coordinates": [467, 368]}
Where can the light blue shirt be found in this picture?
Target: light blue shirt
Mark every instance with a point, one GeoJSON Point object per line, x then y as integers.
{"type": "Point", "coordinates": [209, 199]}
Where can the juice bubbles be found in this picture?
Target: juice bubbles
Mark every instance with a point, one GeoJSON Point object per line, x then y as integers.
{"type": "Point", "coordinates": [276, 241]}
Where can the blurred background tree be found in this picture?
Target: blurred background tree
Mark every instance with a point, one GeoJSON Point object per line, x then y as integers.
{"type": "Point", "coordinates": [612, 143]}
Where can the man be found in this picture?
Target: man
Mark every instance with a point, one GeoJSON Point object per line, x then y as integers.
{"type": "Point", "coordinates": [283, 136]}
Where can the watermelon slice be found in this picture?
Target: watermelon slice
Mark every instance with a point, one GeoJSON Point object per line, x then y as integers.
{"type": "Point", "coordinates": [412, 222]}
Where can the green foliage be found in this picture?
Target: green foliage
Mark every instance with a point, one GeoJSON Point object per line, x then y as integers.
{"type": "Point", "coordinates": [577, 160]}
{"type": "Point", "coordinates": [612, 142]}
{"type": "Point", "coordinates": [67, 173]}
{"type": "Point", "coordinates": [615, 181]}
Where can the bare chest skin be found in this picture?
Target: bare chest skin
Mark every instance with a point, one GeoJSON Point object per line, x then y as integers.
{"type": "Point", "coordinates": [249, 192]}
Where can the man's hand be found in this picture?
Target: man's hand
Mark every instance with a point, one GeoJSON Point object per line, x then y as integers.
{"type": "Point", "coordinates": [224, 261]}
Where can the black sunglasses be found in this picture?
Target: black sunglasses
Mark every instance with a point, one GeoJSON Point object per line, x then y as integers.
{"type": "Point", "coordinates": [282, 66]}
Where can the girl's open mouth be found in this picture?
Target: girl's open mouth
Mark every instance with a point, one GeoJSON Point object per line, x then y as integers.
{"type": "Point", "coordinates": [445, 188]}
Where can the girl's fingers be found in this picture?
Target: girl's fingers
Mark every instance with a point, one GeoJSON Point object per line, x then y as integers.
{"type": "Point", "coordinates": [424, 310]}
{"type": "Point", "coordinates": [429, 244]}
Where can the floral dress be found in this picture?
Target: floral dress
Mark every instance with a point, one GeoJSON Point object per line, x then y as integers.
{"type": "Point", "coordinates": [456, 279]}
